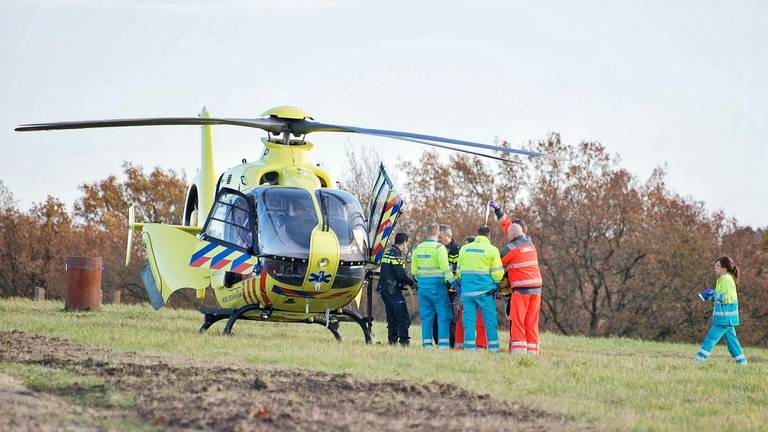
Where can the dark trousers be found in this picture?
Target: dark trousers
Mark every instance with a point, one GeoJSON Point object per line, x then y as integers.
{"type": "Point", "coordinates": [398, 321]}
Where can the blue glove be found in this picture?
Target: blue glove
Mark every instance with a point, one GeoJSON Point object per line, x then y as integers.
{"type": "Point", "coordinates": [456, 286]}
{"type": "Point", "coordinates": [707, 294]}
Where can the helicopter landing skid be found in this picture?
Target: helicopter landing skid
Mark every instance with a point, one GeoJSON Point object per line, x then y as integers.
{"type": "Point", "coordinates": [354, 316]}
{"type": "Point", "coordinates": [214, 315]}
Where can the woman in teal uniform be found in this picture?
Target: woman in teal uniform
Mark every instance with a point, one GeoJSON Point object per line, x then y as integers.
{"type": "Point", "coordinates": [725, 316]}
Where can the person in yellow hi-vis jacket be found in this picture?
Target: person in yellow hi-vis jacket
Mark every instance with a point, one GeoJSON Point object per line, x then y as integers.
{"type": "Point", "coordinates": [480, 273]}
{"type": "Point", "coordinates": [429, 265]}
{"type": "Point", "coordinates": [725, 316]}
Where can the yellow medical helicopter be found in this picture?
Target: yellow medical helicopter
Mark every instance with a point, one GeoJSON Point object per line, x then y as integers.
{"type": "Point", "coordinates": [274, 238]}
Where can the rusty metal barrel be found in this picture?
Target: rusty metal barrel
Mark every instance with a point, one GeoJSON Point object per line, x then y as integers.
{"type": "Point", "coordinates": [83, 284]}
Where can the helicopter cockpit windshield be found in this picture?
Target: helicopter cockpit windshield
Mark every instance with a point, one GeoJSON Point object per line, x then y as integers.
{"type": "Point", "coordinates": [286, 217]}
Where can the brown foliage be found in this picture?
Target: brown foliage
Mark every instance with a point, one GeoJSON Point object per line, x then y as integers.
{"type": "Point", "coordinates": [13, 237]}
{"type": "Point", "coordinates": [453, 193]}
{"type": "Point", "coordinates": [35, 244]}
{"type": "Point", "coordinates": [50, 234]}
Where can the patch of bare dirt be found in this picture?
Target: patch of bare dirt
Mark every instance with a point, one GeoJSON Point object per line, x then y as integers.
{"type": "Point", "coordinates": [22, 409]}
{"type": "Point", "coordinates": [174, 396]}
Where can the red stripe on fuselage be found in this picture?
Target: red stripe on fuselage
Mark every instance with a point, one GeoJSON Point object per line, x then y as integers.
{"type": "Point", "coordinates": [220, 264]}
{"type": "Point", "coordinates": [200, 261]}
{"type": "Point", "coordinates": [241, 268]}
{"type": "Point", "coordinates": [263, 287]}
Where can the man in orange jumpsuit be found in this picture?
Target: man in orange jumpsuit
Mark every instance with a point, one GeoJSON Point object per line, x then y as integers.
{"type": "Point", "coordinates": [521, 262]}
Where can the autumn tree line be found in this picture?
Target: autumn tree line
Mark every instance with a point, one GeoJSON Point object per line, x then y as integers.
{"type": "Point", "coordinates": [619, 255]}
{"type": "Point", "coordinates": [34, 244]}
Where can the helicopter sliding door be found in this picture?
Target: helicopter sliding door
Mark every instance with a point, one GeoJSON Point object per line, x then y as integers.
{"type": "Point", "coordinates": [384, 208]}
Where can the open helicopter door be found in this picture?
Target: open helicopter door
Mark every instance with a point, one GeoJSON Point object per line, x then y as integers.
{"type": "Point", "coordinates": [384, 208]}
{"type": "Point", "coordinates": [228, 240]}
{"type": "Point", "coordinates": [167, 249]}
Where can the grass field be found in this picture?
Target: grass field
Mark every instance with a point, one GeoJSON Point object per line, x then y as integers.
{"type": "Point", "coordinates": [611, 383]}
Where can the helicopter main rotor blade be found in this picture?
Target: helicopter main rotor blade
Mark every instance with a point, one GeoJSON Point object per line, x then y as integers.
{"type": "Point", "coordinates": [268, 124]}
{"type": "Point", "coordinates": [304, 127]}
{"type": "Point", "coordinates": [453, 148]}
{"type": "Point", "coordinates": [277, 125]}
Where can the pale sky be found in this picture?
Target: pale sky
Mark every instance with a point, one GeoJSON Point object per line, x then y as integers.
{"type": "Point", "coordinates": [681, 83]}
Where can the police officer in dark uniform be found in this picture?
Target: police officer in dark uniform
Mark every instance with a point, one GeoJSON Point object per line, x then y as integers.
{"type": "Point", "coordinates": [392, 280]}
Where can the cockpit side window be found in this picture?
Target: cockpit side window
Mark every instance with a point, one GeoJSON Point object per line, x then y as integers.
{"type": "Point", "coordinates": [232, 222]}
{"type": "Point", "coordinates": [344, 217]}
{"type": "Point", "coordinates": [287, 217]}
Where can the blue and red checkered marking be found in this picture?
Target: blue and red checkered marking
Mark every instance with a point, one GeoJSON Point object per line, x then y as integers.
{"type": "Point", "coordinates": [220, 260]}
{"type": "Point", "coordinates": [199, 258]}
{"type": "Point", "coordinates": [219, 257]}
{"type": "Point", "coordinates": [241, 264]}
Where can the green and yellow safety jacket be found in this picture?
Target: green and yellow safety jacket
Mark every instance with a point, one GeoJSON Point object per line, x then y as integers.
{"type": "Point", "coordinates": [726, 308]}
{"type": "Point", "coordinates": [479, 267]}
{"type": "Point", "coordinates": [429, 265]}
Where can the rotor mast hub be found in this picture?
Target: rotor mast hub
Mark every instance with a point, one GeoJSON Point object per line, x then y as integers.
{"type": "Point", "coordinates": [286, 112]}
